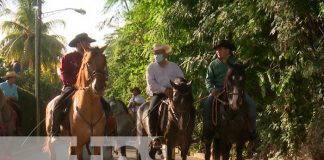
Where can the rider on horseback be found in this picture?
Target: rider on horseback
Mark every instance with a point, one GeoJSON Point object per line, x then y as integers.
{"type": "Point", "coordinates": [70, 65]}
{"type": "Point", "coordinates": [158, 76]}
{"type": "Point", "coordinates": [9, 89]}
{"type": "Point", "coordinates": [216, 72]}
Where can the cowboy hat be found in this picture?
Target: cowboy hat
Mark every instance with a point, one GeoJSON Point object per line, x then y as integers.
{"type": "Point", "coordinates": [10, 74]}
{"type": "Point", "coordinates": [226, 44]}
{"type": "Point", "coordinates": [159, 46]}
{"type": "Point", "coordinates": [80, 37]}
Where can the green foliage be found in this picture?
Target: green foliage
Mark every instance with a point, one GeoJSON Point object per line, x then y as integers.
{"type": "Point", "coordinates": [19, 40]}
{"type": "Point", "coordinates": [315, 141]}
{"type": "Point", "coordinates": [280, 41]}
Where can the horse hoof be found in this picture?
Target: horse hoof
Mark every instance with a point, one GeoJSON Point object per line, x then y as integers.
{"type": "Point", "coordinates": [122, 158]}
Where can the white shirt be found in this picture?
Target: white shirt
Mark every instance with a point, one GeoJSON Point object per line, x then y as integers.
{"type": "Point", "coordinates": [158, 78]}
{"type": "Point", "coordinates": [138, 99]}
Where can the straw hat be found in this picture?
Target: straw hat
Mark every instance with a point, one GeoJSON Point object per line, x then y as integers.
{"type": "Point", "coordinates": [80, 37]}
{"type": "Point", "coordinates": [11, 74]}
{"type": "Point", "coordinates": [159, 46]}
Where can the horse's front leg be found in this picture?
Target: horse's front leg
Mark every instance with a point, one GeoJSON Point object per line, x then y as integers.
{"type": "Point", "coordinates": [169, 152]}
{"type": "Point", "coordinates": [226, 147]}
{"type": "Point", "coordinates": [239, 150]}
{"type": "Point", "coordinates": [216, 149]}
{"type": "Point", "coordinates": [184, 151]}
{"type": "Point", "coordinates": [207, 149]}
{"type": "Point", "coordinates": [79, 152]}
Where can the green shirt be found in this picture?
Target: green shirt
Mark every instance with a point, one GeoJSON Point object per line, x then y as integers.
{"type": "Point", "coordinates": [216, 73]}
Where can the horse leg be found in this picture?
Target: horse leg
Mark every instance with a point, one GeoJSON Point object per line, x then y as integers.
{"type": "Point", "coordinates": [239, 150]}
{"type": "Point", "coordinates": [78, 151]}
{"type": "Point", "coordinates": [216, 149]}
{"type": "Point", "coordinates": [169, 152]}
{"type": "Point", "coordinates": [207, 150]}
{"type": "Point", "coordinates": [123, 151]}
{"type": "Point", "coordinates": [184, 151]}
{"type": "Point", "coordinates": [226, 147]}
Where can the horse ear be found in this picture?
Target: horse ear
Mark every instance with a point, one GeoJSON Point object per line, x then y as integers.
{"type": "Point", "coordinates": [173, 84]}
{"type": "Point", "coordinates": [189, 83]}
{"type": "Point", "coordinates": [102, 49]}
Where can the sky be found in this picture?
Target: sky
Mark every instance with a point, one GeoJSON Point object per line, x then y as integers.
{"type": "Point", "coordinates": [75, 22]}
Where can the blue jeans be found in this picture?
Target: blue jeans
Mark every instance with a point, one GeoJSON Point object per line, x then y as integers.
{"type": "Point", "coordinates": [207, 111]}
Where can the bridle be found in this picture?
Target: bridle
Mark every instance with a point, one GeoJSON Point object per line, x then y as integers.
{"type": "Point", "coordinates": [94, 73]}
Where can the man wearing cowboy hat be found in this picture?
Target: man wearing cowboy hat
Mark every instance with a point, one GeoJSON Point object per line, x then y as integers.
{"type": "Point", "coordinates": [158, 76]}
{"type": "Point", "coordinates": [216, 73]}
{"type": "Point", "coordinates": [9, 89]}
{"type": "Point", "coordinates": [70, 65]}
{"type": "Point", "coordinates": [136, 100]}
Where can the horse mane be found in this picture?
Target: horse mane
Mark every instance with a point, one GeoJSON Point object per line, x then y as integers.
{"type": "Point", "coordinates": [81, 81]}
{"type": "Point", "coordinates": [123, 104]}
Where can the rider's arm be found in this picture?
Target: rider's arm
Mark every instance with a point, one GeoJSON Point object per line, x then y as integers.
{"type": "Point", "coordinates": [153, 85]}
{"type": "Point", "coordinates": [210, 78]}
{"type": "Point", "coordinates": [65, 70]}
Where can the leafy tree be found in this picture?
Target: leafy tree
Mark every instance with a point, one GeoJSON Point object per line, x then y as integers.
{"type": "Point", "coordinates": [19, 42]}
{"type": "Point", "coordinates": [280, 41]}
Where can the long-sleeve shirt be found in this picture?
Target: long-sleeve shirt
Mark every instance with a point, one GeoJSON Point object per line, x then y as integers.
{"type": "Point", "coordinates": [158, 78]}
{"type": "Point", "coordinates": [70, 65]}
{"type": "Point", "coordinates": [9, 90]}
{"type": "Point", "coordinates": [216, 73]}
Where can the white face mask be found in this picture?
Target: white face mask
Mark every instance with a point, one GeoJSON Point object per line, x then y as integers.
{"type": "Point", "coordinates": [158, 57]}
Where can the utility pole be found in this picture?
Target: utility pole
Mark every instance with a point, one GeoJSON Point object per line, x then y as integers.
{"type": "Point", "coordinates": [38, 18]}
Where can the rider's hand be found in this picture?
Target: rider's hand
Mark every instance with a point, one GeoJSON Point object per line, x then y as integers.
{"type": "Point", "coordinates": [168, 92]}
{"type": "Point", "coordinates": [214, 92]}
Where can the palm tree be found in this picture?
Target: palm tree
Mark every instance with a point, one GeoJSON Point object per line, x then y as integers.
{"type": "Point", "coordinates": [19, 42]}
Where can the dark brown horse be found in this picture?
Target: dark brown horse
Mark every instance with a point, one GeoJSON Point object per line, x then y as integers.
{"type": "Point", "coordinates": [7, 117]}
{"type": "Point", "coordinates": [176, 119]}
{"type": "Point", "coordinates": [86, 117]}
{"type": "Point", "coordinates": [231, 122]}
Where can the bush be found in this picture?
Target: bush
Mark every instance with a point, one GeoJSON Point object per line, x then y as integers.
{"type": "Point", "coordinates": [315, 136]}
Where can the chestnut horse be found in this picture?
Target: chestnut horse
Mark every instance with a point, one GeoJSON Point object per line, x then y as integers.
{"type": "Point", "coordinates": [176, 119]}
{"type": "Point", "coordinates": [86, 117]}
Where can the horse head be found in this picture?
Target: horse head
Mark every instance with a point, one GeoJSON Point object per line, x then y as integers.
{"type": "Point", "coordinates": [93, 71]}
{"type": "Point", "coordinates": [234, 85]}
{"type": "Point", "coordinates": [182, 93]}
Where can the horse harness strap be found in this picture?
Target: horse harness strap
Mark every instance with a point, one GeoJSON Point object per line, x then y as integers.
{"type": "Point", "coordinates": [175, 116]}
{"type": "Point", "coordinates": [91, 125]}
{"type": "Point", "coordinates": [215, 107]}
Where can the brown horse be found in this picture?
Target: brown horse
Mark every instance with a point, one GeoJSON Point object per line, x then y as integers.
{"type": "Point", "coordinates": [231, 125]}
{"type": "Point", "coordinates": [7, 117]}
{"type": "Point", "coordinates": [86, 117]}
{"type": "Point", "coordinates": [176, 119]}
